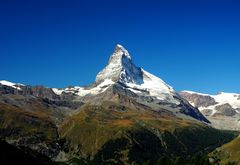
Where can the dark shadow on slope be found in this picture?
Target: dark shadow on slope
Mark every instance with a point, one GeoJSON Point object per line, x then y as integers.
{"type": "Point", "coordinates": [11, 155]}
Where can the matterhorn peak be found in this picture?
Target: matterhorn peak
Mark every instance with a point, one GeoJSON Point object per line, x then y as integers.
{"type": "Point", "coordinates": [122, 77]}
{"type": "Point", "coordinates": [121, 51]}
{"type": "Point", "coordinates": [120, 68]}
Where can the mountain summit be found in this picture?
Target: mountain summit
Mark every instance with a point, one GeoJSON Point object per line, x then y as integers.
{"type": "Point", "coordinates": [120, 68]}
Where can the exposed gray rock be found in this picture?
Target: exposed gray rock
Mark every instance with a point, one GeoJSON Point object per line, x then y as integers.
{"type": "Point", "coordinates": [225, 109]}
{"type": "Point", "coordinates": [7, 90]}
{"type": "Point", "coordinates": [40, 91]}
{"type": "Point", "coordinates": [199, 100]}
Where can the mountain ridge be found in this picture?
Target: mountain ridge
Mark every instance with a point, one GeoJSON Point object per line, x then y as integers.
{"type": "Point", "coordinates": [223, 109]}
{"type": "Point", "coordinates": [122, 74]}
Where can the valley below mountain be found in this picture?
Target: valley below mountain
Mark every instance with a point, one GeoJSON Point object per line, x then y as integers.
{"type": "Point", "coordinates": [127, 116]}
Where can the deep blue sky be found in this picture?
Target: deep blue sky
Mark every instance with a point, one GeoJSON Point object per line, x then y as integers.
{"type": "Point", "coordinates": [192, 45]}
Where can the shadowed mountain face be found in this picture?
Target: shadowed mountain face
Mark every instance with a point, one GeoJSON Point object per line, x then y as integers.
{"type": "Point", "coordinates": [128, 115]}
{"type": "Point", "coordinates": [10, 155]}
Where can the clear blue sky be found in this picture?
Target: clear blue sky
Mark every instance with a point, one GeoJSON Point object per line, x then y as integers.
{"type": "Point", "coordinates": [192, 45]}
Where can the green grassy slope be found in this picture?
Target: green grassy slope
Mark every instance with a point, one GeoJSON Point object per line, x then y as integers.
{"type": "Point", "coordinates": [34, 129]}
{"type": "Point", "coordinates": [16, 122]}
{"type": "Point", "coordinates": [113, 134]}
{"type": "Point", "coordinates": [229, 152]}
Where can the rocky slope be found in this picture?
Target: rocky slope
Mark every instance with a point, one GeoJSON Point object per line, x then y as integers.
{"type": "Point", "coordinates": [30, 116]}
{"type": "Point", "coordinates": [223, 109]}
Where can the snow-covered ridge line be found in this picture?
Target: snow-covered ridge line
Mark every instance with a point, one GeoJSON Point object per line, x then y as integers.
{"type": "Point", "coordinates": [123, 50]}
{"type": "Point", "coordinates": [192, 92]}
{"type": "Point", "coordinates": [203, 94]}
{"type": "Point", "coordinates": [222, 98]}
{"type": "Point", "coordinates": [11, 84]}
{"type": "Point", "coordinates": [57, 91]}
{"type": "Point", "coordinates": [80, 91]}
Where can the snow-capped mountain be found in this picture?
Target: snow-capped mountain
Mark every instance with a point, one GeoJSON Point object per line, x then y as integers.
{"type": "Point", "coordinates": [121, 78]}
{"type": "Point", "coordinates": [213, 102]}
{"type": "Point", "coordinates": [121, 75]}
{"type": "Point", "coordinates": [122, 70]}
{"type": "Point", "coordinates": [223, 109]}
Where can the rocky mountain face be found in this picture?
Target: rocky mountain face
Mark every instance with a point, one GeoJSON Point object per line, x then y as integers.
{"type": "Point", "coordinates": [198, 100]}
{"type": "Point", "coordinates": [127, 115]}
{"type": "Point", "coordinates": [223, 109]}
